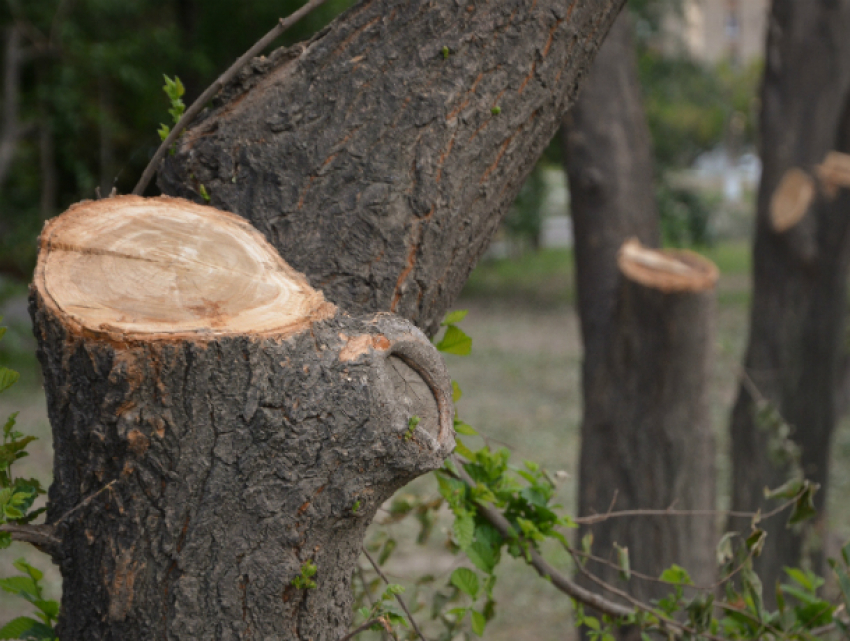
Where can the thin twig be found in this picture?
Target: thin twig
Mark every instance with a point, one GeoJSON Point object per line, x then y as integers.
{"type": "Point", "coordinates": [362, 577]}
{"type": "Point", "coordinates": [42, 536]}
{"type": "Point", "coordinates": [669, 623]}
{"type": "Point", "coordinates": [359, 629]}
{"type": "Point", "coordinates": [597, 518]}
{"type": "Point", "coordinates": [83, 503]}
{"type": "Point", "coordinates": [397, 596]}
{"type": "Point", "coordinates": [543, 567]}
{"type": "Point", "coordinates": [214, 88]}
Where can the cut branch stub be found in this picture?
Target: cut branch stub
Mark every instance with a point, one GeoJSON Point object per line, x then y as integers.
{"type": "Point", "coordinates": [834, 172]}
{"type": "Point", "coordinates": [666, 270]}
{"type": "Point", "coordinates": [791, 200]}
{"type": "Point", "coordinates": [245, 425]}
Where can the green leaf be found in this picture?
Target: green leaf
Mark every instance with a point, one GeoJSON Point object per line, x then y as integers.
{"type": "Point", "coordinates": [456, 393]}
{"type": "Point", "coordinates": [463, 530]}
{"type": "Point", "coordinates": [787, 490]}
{"type": "Point", "coordinates": [26, 628]}
{"type": "Point", "coordinates": [10, 423]}
{"type": "Point", "coordinates": [50, 608]}
{"type": "Point", "coordinates": [387, 550]}
{"type": "Point", "coordinates": [455, 341]}
{"type": "Point", "coordinates": [12, 512]}
{"type": "Point", "coordinates": [725, 551]}
{"type": "Point", "coordinates": [463, 428]}
{"type": "Point", "coordinates": [486, 533]}
{"type": "Point", "coordinates": [800, 577]}
{"type": "Point", "coordinates": [452, 318]}
{"type": "Point", "coordinates": [587, 543]}
{"type": "Point", "coordinates": [753, 587]}
{"type": "Point", "coordinates": [483, 556]}
{"type": "Point", "coordinates": [463, 450]}
{"type": "Point", "coordinates": [623, 562]}
{"type": "Point", "coordinates": [466, 581]}
{"type": "Point", "coordinates": [20, 585]}
{"type": "Point", "coordinates": [478, 622]}
{"type": "Point", "coordinates": [755, 541]}
{"type": "Point", "coordinates": [677, 575]}
{"type": "Point", "coordinates": [453, 490]}
{"type": "Point", "coordinates": [804, 507]}
{"type": "Point", "coordinates": [9, 377]}
{"type": "Point", "coordinates": [843, 581]}
{"type": "Point", "coordinates": [845, 553]}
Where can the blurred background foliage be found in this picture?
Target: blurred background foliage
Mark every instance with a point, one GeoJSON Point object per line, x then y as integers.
{"type": "Point", "coordinates": [692, 108]}
{"type": "Point", "coordinates": [82, 98]}
{"type": "Point", "coordinates": [82, 102]}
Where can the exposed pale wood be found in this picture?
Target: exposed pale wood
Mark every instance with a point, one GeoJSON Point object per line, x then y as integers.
{"type": "Point", "coordinates": [138, 267]}
{"type": "Point", "coordinates": [834, 172]}
{"type": "Point", "coordinates": [791, 200]}
{"type": "Point", "coordinates": [669, 270]}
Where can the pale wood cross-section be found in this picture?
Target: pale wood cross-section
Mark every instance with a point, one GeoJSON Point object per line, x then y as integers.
{"type": "Point", "coordinates": [791, 200]}
{"type": "Point", "coordinates": [669, 270]}
{"type": "Point", "coordinates": [169, 267]}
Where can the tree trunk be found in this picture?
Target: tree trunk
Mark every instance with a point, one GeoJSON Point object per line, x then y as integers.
{"type": "Point", "coordinates": [646, 411]}
{"type": "Point", "coordinates": [799, 267]}
{"type": "Point", "coordinates": [646, 438]}
{"type": "Point", "coordinates": [380, 157]}
{"type": "Point", "coordinates": [217, 426]}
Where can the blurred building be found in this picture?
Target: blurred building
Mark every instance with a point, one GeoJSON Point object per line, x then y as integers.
{"type": "Point", "coordinates": [715, 30]}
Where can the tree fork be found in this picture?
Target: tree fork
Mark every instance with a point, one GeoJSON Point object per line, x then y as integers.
{"type": "Point", "coordinates": [218, 426]}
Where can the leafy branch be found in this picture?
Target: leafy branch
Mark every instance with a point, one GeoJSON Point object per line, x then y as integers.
{"type": "Point", "coordinates": [499, 506]}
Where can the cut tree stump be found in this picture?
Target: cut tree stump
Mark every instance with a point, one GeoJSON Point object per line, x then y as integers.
{"type": "Point", "coordinates": [217, 426]}
{"type": "Point", "coordinates": [647, 406]}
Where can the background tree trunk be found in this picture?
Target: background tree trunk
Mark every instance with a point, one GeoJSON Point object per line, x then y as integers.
{"type": "Point", "coordinates": [12, 128]}
{"type": "Point", "coordinates": [380, 158]}
{"type": "Point", "coordinates": [646, 438]}
{"type": "Point", "coordinates": [800, 273]}
{"type": "Point", "coordinates": [649, 443]}
{"type": "Point", "coordinates": [217, 426]}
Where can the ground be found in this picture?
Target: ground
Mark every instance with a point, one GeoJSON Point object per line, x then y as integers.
{"type": "Point", "coordinates": [521, 387]}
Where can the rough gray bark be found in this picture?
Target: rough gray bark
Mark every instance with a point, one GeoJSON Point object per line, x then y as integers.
{"type": "Point", "coordinates": [376, 165]}
{"type": "Point", "coordinates": [196, 473]}
{"type": "Point", "coordinates": [800, 275]}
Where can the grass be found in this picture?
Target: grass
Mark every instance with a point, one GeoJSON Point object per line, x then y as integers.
{"type": "Point", "coordinates": [535, 278]}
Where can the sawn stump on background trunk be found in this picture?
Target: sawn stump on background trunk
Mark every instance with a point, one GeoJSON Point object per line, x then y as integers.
{"type": "Point", "coordinates": [217, 425]}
